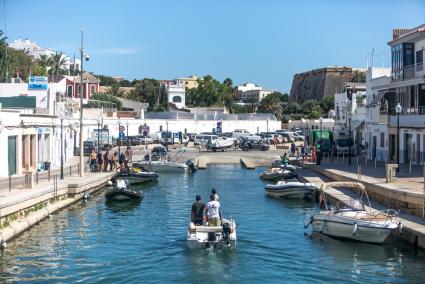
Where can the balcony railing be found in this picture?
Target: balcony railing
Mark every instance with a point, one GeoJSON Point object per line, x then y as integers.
{"type": "Point", "coordinates": [419, 67]}
{"type": "Point", "coordinates": [420, 110]}
{"type": "Point", "coordinates": [409, 72]}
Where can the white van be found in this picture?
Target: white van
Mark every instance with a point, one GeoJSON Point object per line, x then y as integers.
{"type": "Point", "coordinates": [238, 133]}
{"type": "Point", "coordinates": [204, 139]}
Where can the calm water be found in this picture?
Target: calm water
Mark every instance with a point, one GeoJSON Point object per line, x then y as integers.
{"type": "Point", "coordinates": [145, 242]}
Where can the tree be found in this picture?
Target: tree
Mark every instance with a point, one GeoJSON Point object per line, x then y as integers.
{"type": "Point", "coordinates": [272, 104]}
{"type": "Point", "coordinates": [44, 61]}
{"type": "Point", "coordinates": [292, 108]}
{"type": "Point", "coordinates": [327, 103]}
{"type": "Point", "coordinates": [106, 98]}
{"type": "Point", "coordinates": [211, 92]}
{"type": "Point", "coordinates": [58, 61]}
{"type": "Point", "coordinates": [152, 92]}
{"type": "Point", "coordinates": [115, 90]}
{"type": "Point", "coordinates": [358, 76]}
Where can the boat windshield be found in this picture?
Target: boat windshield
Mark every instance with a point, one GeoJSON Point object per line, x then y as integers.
{"type": "Point", "coordinates": [353, 200]}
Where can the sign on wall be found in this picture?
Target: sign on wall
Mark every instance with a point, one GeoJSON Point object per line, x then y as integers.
{"type": "Point", "coordinates": [37, 83]}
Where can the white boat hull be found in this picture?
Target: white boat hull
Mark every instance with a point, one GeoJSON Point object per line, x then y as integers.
{"type": "Point", "coordinates": [290, 189]}
{"type": "Point", "coordinates": [198, 237]}
{"type": "Point", "coordinates": [364, 231]}
{"type": "Point", "coordinates": [161, 167]}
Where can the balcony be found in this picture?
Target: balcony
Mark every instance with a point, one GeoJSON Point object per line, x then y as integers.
{"type": "Point", "coordinates": [410, 117]}
{"type": "Point", "coordinates": [409, 72]}
{"type": "Point", "coordinates": [419, 67]}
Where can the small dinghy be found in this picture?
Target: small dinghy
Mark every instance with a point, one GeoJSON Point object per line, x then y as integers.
{"type": "Point", "coordinates": [290, 189]}
{"type": "Point", "coordinates": [278, 174]}
{"type": "Point", "coordinates": [216, 237]}
{"type": "Point", "coordinates": [282, 165]}
{"type": "Point", "coordinates": [121, 192]}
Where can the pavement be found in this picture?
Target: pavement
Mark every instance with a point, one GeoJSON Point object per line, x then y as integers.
{"type": "Point", "coordinates": [408, 179]}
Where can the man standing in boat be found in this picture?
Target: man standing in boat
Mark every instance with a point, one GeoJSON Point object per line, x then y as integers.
{"type": "Point", "coordinates": [197, 214]}
{"type": "Point", "coordinates": [212, 212]}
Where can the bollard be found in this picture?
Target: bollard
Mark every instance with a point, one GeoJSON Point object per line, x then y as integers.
{"type": "Point", "coordinates": [410, 167]}
{"type": "Point", "coordinates": [365, 161]}
{"type": "Point", "coordinates": [48, 175]}
{"type": "Point", "coordinates": [375, 162]}
{"type": "Point", "coordinates": [36, 177]}
{"type": "Point", "coordinates": [343, 156]}
{"type": "Point", "coordinates": [10, 183]}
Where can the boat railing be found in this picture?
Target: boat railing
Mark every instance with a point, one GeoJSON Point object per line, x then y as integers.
{"type": "Point", "coordinates": [345, 184]}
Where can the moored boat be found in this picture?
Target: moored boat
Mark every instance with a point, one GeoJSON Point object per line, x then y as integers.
{"type": "Point", "coordinates": [162, 166]}
{"type": "Point", "coordinates": [135, 176]}
{"type": "Point", "coordinates": [216, 237]}
{"type": "Point", "coordinates": [121, 192]}
{"type": "Point", "coordinates": [278, 174]}
{"type": "Point", "coordinates": [290, 189]}
{"type": "Point", "coordinates": [355, 219]}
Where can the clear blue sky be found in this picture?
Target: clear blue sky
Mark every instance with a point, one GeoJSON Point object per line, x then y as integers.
{"type": "Point", "coordinates": [262, 41]}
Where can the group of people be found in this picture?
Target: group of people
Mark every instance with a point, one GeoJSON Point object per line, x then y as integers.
{"type": "Point", "coordinates": [99, 162]}
{"type": "Point", "coordinates": [209, 213]}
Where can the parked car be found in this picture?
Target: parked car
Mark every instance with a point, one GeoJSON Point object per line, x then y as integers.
{"type": "Point", "coordinates": [238, 133]}
{"type": "Point", "coordinates": [142, 139]}
{"type": "Point", "coordinates": [298, 136]}
{"type": "Point", "coordinates": [246, 145]}
{"type": "Point", "coordinates": [287, 136]}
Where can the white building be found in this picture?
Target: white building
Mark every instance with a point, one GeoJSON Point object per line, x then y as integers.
{"type": "Point", "coordinates": [176, 95]}
{"type": "Point", "coordinates": [36, 51]}
{"type": "Point", "coordinates": [252, 93]}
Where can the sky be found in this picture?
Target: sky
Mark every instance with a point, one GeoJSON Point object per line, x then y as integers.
{"type": "Point", "coordinates": [260, 41]}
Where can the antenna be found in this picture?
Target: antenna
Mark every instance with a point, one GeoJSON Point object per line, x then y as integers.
{"type": "Point", "coordinates": [373, 54]}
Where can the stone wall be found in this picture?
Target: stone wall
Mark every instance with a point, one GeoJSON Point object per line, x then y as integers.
{"type": "Point", "coordinates": [319, 83]}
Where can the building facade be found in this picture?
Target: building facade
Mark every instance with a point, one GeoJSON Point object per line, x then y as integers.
{"type": "Point", "coordinates": [176, 94]}
{"type": "Point", "coordinates": [188, 82]}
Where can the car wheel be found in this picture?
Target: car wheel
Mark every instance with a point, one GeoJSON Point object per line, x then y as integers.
{"type": "Point", "coordinates": [245, 148]}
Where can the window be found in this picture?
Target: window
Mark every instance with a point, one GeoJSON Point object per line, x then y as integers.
{"type": "Point", "coordinates": [177, 99]}
{"type": "Point", "coordinates": [381, 140]}
{"type": "Point", "coordinates": [419, 60]}
{"type": "Point", "coordinates": [92, 89]}
{"type": "Point", "coordinates": [79, 89]}
{"type": "Point", "coordinates": [69, 91]}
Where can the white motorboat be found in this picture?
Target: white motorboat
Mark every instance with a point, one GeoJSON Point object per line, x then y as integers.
{"type": "Point", "coordinates": [221, 144]}
{"type": "Point", "coordinates": [290, 189]}
{"type": "Point", "coordinates": [216, 237]}
{"type": "Point", "coordinates": [163, 166]}
{"type": "Point", "coordinates": [355, 219]}
{"type": "Point", "coordinates": [278, 174]}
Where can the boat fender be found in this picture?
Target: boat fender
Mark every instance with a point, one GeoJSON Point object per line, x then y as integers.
{"type": "Point", "coordinates": [3, 244]}
{"type": "Point", "coordinates": [109, 182]}
{"type": "Point", "coordinates": [354, 229]}
{"type": "Point", "coordinates": [309, 221]}
{"type": "Point", "coordinates": [400, 228]}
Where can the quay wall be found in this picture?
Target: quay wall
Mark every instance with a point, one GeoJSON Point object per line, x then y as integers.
{"type": "Point", "coordinates": [19, 215]}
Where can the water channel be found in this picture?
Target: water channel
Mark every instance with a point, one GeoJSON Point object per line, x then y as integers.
{"type": "Point", "coordinates": [145, 243]}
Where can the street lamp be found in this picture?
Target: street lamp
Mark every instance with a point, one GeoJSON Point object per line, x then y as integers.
{"type": "Point", "coordinates": [99, 121]}
{"type": "Point", "coordinates": [119, 138]}
{"type": "Point", "coordinates": [61, 117]}
{"type": "Point", "coordinates": [349, 138]}
{"type": "Point", "coordinates": [267, 125]}
{"type": "Point", "coordinates": [398, 110]}
{"type": "Point", "coordinates": [166, 143]}
{"type": "Point", "coordinates": [128, 140]}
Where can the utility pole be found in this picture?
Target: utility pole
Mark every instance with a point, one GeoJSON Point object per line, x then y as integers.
{"type": "Point", "coordinates": [81, 108]}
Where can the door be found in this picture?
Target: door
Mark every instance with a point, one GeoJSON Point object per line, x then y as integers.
{"type": "Point", "coordinates": [418, 149]}
{"type": "Point", "coordinates": [408, 148]}
{"type": "Point", "coordinates": [374, 142]}
{"type": "Point", "coordinates": [11, 158]}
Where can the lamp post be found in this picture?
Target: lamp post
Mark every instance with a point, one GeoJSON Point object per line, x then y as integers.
{"type": "Point", "coordinates": [61, 117]}
{"type": "Point", "coordinates": [398, 110]}
{"type": "Point", "coordinates": [128, 140]}
{"type": "Point", "coordinates": [119, 139]}
{"type": "Point", "coordinates": [349, 138]}
{"type": "Point", "coordinates": [267, 125]}
{"type": "Point", "coordinates": [166, 143]}
{"type": "Point", "coordinates": [99, 121]}
{"type": "Point", "coordinates": [321, 122]}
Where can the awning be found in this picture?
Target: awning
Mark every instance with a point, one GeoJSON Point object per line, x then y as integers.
{"type": "Point", "coordinates": [376, 100]}
{"type": "Point", "coordinates": [356, 124]}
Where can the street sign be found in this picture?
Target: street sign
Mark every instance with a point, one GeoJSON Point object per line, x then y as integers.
{"type": "Point", "coordinates": [122, 128]}
{"type": "Point", "coordinates": [122, 135]}
{"type": "Point", "coordinates": [219, 129]}
{"type": "Point", "coordinates": [145, 130]}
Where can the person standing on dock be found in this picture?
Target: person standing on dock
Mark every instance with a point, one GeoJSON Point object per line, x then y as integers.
{"type": "Point", "coordinates": [197, 215]}
{"type": "Point", "coordinates": [212, 212]}
{"type": "Point", "coordinates": [106, 161]}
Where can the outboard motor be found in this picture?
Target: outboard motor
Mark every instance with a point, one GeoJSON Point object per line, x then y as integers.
{"type": "Point", "coordinates": [227, 230]}
{"type": "Point", "coordinates": [191, 166]}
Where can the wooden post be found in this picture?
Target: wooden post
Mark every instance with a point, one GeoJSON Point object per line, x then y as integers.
{"type": "Point", "coordinates": [10, 183]}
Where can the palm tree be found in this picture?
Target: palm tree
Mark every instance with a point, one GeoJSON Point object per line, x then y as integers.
{"type": "Point", "coordinates": [44, 61]}
{"type": "Point", "coordinates": [115, 90]}
{"type": "Point", "coordinates": [271, 104]}
{"type": "Point", "coordinates": [57, 62]}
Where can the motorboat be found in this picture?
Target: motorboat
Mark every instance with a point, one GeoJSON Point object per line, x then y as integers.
{"type": "Point", "coordinates": [355, 219]}
{"type": "Point", "coordinates": [283, 165]}
{"type": "Point", "coordinates": [290, 189]}
{"type": "Point", "coordinates": [216, 237]}
{"type": "Point", "coordinates": [220, 144]}
{"type": "Point", "coordinates": [121, 191]}
{"type": "Point", "coordinates": [278, 174]}
{"type": "Point", "coordinates": [163, 166]}
{"type": "Point", "coordinates": [137, 175]}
